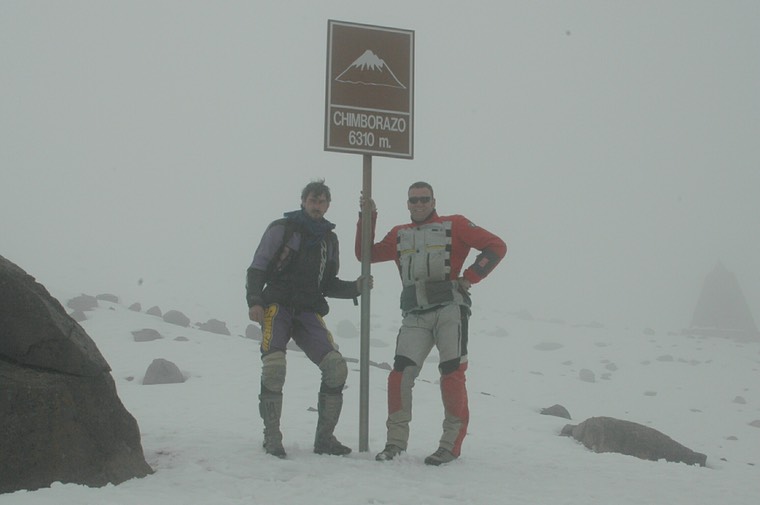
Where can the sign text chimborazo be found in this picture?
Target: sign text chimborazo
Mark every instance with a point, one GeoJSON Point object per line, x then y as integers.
{"type": "Point", "coordinates": [370, 90]}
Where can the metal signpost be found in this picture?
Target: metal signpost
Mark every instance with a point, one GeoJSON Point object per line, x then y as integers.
{"type": "Point", "coordinates": [369, 111]}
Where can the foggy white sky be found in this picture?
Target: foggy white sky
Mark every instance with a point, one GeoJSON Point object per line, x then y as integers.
{"type": "Point", "coordinates": [613, 145]}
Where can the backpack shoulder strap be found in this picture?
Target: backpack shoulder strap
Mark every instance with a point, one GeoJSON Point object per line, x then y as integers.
{"type": "Point", "coordinates": [290, 228]}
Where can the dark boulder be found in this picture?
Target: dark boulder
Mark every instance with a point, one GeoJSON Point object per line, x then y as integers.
{"type": "Point", "coordinates": [146, 335]}
{"type": "Point", "coordinates": [62, 420]}
{"type": "Point", "coordinates": [606, 434]}
{"type": "Point", "coordinates": [176, 317]}
{"type": "Point", "coordinates": [162, 371]}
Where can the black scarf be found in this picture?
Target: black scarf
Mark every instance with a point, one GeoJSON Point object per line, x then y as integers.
{"type": "Point", "coordinates": [315, 231]}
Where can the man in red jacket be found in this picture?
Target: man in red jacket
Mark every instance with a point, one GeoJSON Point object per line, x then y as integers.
{"type": "Point", "coordinates": [435, 303]}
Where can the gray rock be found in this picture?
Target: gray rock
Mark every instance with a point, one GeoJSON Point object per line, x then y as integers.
{"type": "Point", "coordinates": [346, 329]}
{"type": "Point", "coordinates": [587, 375]}
{"type": "Point", "coordinates": [154, 311]}
{"type": "Point", "coordinates": [606, 434]}
{"type": "Point", "coordinates": [162, 371]}
{"type": "Point", "coordinates": [253, 332]}
{"type": "Point", "coordinates": [177, 317]}
{"type": "Point", "coordinates": [82, 302]}
{"type": "Point", "coordinates": [107, 297]}
{"type": "Point", "coordinates": [136, 307]}
{"type": "Point", "coordinates": [146, 335]}
{"type": "Point", "coordinates": [548, 346]}
{"type": "Point", "coordinates": [62, 420]}
{"type": "Point", "coordinates": [556, 410]}
{"type": "Point", "coordinates": [524, 315]}
{"type": "Point", "coordinates": [215, 326]}
{"type": "Point", "coordinates": [498, 332]}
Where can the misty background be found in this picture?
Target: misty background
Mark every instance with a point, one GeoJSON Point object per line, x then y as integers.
{"type": "Point", "coordinates": [146, 145]}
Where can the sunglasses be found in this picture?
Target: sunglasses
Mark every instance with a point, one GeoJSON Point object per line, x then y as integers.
{"type": "Point", "coordinates": [420, 199]}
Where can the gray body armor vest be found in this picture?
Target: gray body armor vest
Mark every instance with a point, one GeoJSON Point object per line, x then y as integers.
{"type": "Point", "coordinates": [424, 254]}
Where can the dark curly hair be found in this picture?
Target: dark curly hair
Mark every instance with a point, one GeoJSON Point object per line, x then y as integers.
{"type": "Point", "coordinates": [317, 188]}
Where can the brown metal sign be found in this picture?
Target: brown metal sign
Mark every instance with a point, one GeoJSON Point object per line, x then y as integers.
{"type": "Point", "coordinates": [370, 90]}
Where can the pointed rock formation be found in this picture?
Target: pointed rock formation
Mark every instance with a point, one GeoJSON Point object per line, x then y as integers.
{"type": "Point", "coordinates": [722, 309]}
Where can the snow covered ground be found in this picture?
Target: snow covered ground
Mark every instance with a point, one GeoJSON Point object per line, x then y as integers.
{"type": "Point", "coordinates": [203, 437]}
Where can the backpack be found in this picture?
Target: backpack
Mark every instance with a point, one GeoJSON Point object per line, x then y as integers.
{"type": "Point", "coordinates": [277, 263]}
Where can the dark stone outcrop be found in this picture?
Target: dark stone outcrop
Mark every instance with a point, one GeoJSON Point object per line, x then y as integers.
{"type": "Point", "coordinates": [606, 434]}
{"type": "Point", "coordinates": [62, 420]}
{"type": "Point", "coordinates": [722, 309]}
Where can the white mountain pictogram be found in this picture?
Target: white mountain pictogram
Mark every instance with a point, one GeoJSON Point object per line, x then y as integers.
{"type": "Point", "coordinates": [371, 70]}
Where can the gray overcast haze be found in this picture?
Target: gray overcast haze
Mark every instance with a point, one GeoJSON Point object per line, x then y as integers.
{"type": "Point", "coordinates": [614, 145]}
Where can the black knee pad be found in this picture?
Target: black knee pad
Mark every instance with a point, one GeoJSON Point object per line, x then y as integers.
{"type": "Point", "coordinates": [401, 362]}
{"type": "Point", "coordinates": [449, 366]}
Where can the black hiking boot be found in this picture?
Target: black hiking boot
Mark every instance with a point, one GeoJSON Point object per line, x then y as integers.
{"type": "Point", "coordinates": [274, 447]}
{"type": "Point", "coordinates": [390, 452]}
{"type": "Point", "coordinates": [331, 446]}
{"type": "Point", "coordinates": [440, 457]}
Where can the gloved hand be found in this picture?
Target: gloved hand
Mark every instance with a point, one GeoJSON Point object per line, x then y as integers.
{"type": "Point", "coordinates": [256, 313]}
{"type": "Point", "coordinates": [361, 203]}
{"type": "Point", "coordinates": [464, 285]}
{"type": "Point", "coordinates": [360, 282]}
